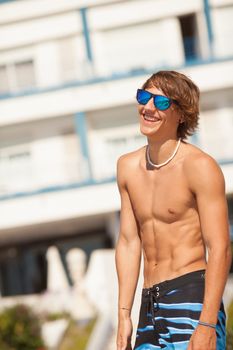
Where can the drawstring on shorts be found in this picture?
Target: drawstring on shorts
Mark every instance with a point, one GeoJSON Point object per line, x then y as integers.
{"type": "Point", "coordinates": [153, 298]}
{"type": "Point", "coordinates": [152, 295]}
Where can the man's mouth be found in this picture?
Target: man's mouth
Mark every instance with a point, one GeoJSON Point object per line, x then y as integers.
{"type": "Point", "coordinates": [150, 118]}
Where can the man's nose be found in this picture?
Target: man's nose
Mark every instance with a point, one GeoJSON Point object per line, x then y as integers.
{"type": "Point", "coordinates": [150, 104]}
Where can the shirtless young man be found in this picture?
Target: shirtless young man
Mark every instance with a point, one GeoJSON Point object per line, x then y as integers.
{"type": "Point", "coordinates": [173, 210]}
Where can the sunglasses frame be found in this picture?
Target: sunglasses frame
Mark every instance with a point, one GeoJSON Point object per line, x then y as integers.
{"type": "Point", "coordinates": [154, 99]}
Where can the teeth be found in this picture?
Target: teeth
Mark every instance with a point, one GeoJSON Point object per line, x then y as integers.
{"type": "Point", "coordinates": [150, 118]}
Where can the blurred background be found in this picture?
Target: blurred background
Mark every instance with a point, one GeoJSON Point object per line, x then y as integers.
{"type": "Point", "coordinates": [69, 70]}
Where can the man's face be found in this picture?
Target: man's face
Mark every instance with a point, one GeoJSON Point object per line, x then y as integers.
{"type": "Point", "coordinates": [153, 121]}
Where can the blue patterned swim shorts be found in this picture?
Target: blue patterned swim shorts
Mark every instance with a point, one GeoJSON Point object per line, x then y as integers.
{"type": "Point", "coordinates": [170, 311]}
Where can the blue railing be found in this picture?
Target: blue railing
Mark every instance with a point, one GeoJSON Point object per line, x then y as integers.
{"type": "Point", "coordinates": [56, 188]}
{"type": "Point", "coordinates": [89, 181]}
{"type": "Point", "coordinates": [3, 1]}
{"type": "Point", "coordinates": [113, 77]}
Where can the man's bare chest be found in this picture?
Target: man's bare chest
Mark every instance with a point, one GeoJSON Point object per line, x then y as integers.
{"type": "Point", "coordinates": [165, 196]}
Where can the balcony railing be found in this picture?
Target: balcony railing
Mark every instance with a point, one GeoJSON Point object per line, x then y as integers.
{"type": "Point", "coordinates": [191, 59]}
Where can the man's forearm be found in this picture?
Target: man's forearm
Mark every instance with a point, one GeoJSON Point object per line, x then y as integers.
{"type": "Point", "coordinates": [128, 258]}
{"type": "Point", "coordinates": [215, 279]}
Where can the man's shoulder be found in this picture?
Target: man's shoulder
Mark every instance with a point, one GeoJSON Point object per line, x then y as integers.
{"type": "Point", "coordinates": [200, 167]}
{"type": "Point", "coordinates": [198, 159]}
{"type": "Point", "coordinates": [127, 164]}
{"type": "Point", "coordinates": [130, 159]}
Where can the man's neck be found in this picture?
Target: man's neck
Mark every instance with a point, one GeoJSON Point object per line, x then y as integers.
{"type": "Point", "coordinates": [161, 149]}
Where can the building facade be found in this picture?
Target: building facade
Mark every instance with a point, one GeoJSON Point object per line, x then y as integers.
{"type": "Point", "coordinates": [68, 75]}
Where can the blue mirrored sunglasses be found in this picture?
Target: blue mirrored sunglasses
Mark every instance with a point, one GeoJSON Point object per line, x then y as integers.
{"type": "Point", "coordinates": [160, 102]}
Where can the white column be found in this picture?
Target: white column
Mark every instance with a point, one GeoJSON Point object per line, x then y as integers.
{"type": "Point", "coordinates": [81, 307]}
{"type": "Point", "coordinates": [57, 280]}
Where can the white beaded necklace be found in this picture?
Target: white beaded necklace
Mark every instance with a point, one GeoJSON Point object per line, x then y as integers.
{"type": "Point", "coordinates": [164, 163]}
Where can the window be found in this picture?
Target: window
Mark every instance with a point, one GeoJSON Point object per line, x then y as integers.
{"type": "Point", "coordinates": [15, 160]}
{"type": "Point", "coordinates": [188, 27]}
{"type": "Point", "coordinates": [24, 267]}
{"type": "Point", "coordinates": [147, 48]}
{"type": "Point", "coordinates": [22, 271]}
{"type": "Point", "coordinates": [109, 148]}
{"type": "Point", "coordinates": [24, 72]}
{"type": "Point", "coordinates": [17, 76]}
{"type": "Point", "coordinates": [67, 59]}
{"type": "Point", "coordinates": [216, 128]}
{"type": "Point", "coordinates": [117, 146]}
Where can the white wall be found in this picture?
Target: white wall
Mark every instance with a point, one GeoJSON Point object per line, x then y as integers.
{"type": "Point", "coordinates": [41, 163]}
{"type": "Point", "coordinates": [220, 3]}
{"type": "Point", "coordinates": [126, 13]}
{"type": "Point", "coordinates": [57, 206]}
{"type": "Point", "coordinates": [42, 29]}
{"type": "Point", "coordinates": [216, 130]}
{"type": "Point", "coordinates": [112, 132]}
{"type": "Point", "coordinates": [110, 144]}
{"type": "Point", "coordinates": [57, 160]}
{"type": "Point", "coordinates": [223, 31]}
{"type": "Point", "coordinates": [47, 64]}
{"type": "Point", "coordinates": [125, 36]}
{"type": "Point", "coordinates": [103, 95]}
{"type": "Point", "coordinates": [27, 9]}
{"type": "Point", "coordinates": [138, 46]}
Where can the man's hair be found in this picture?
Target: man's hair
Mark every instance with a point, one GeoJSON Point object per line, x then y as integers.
{"type": "Point", "coordinates": [180, 88]}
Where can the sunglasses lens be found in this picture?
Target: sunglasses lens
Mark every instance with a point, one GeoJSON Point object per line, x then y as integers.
{"type": "Point", "coordinates": [162, 102]}
{"type": "Point", "coordinates": [143, 96]}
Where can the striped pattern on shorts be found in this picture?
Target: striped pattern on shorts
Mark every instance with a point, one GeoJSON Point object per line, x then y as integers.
{"type": "Point", "coordinates": [170, 312]}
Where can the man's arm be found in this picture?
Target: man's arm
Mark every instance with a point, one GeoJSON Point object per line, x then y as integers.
{"type": "Point", "coordinates": [207, 184]}
{"type": "Point", "coordinates": [128, 258]}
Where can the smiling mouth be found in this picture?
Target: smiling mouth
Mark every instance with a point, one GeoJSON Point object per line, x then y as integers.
{"type": "Point", "coordinates": [150, 118]}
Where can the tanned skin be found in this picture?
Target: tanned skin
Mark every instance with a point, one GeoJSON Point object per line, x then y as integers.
{"type": "Point", "coordinates": [172, 215]}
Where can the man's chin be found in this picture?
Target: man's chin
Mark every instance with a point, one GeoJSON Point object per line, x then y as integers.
{"type": "Point", "coordinates": [148, 131]}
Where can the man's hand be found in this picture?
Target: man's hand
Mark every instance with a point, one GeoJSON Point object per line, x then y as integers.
{"type": "Point", "coordinates": [203, 338]}
{"type": "Point", "coordinates": [124, 334]}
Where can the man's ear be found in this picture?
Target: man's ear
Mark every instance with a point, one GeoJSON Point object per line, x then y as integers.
{"type": "Point", "coordinates": [181, 119]}
{"type": "Point", "coordinates": [181, 116]}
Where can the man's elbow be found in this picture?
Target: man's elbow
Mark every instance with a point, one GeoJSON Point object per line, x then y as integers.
{"type": "Point", "coordinates": [222, 252]}
{"type": "Point", "coordinates": [226, 255]}
{"type": "Point", "coordinates": [129, 244]}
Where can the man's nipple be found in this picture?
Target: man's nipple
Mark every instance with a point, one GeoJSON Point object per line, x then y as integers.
{"type": "Point", "coordinates": [171, 211]}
